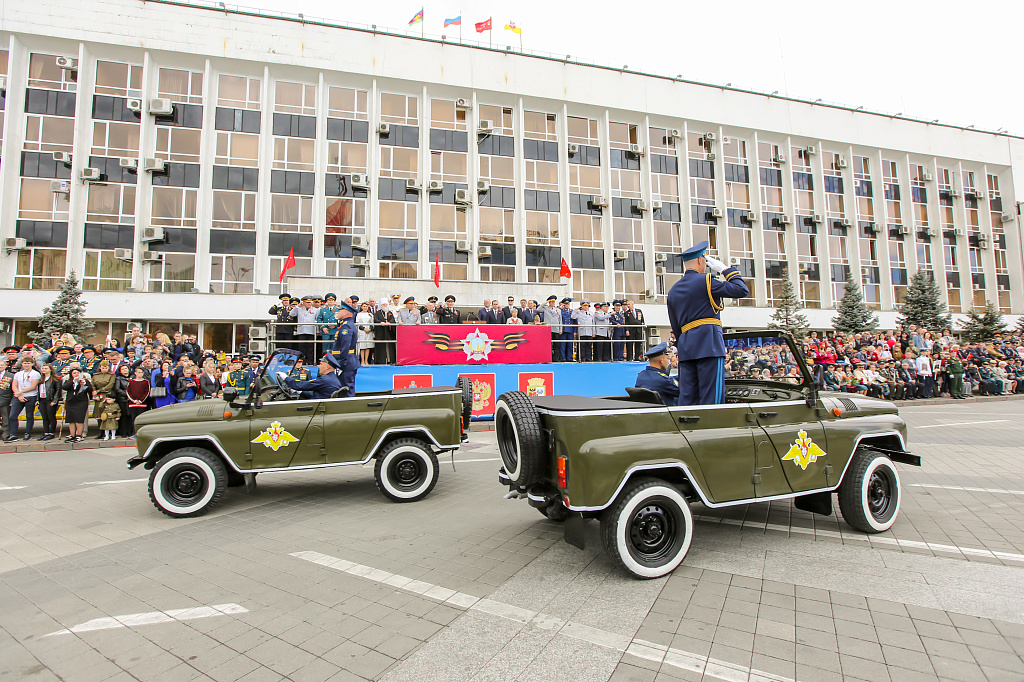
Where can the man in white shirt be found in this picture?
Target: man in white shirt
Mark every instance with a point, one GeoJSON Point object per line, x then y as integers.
{"type": "Point", "coordinates": [924, 374]}
{"type": "Point", "coordinates": [305, 330]}
{"type": "Point", "coordinates": [26, 393]}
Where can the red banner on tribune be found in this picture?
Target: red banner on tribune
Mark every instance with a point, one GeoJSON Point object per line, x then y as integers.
{"type": "Point", "coordinates": [470, 344]}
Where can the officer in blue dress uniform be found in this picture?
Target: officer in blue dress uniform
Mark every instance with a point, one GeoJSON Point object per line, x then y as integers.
{"type": "Point", "coordinates": [568, 331]}
{"type": "Point", "coordinates": [345, 346]}
{"type": "Point", "coordinates": [694, 310]}
{"type": "Point", "coordinates": [655, 375]}
{"type": "Point", "coordinates": [618, 322]}
{"type": "Point", "coordinates": [324, 385]}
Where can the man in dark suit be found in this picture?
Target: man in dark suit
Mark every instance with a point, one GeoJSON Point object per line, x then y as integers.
{"type": "Point", "coordinates": [529, 313]}
{"type": "Point", "coordinates": [495, 315]}
{"type": "Point", "coordinates": [449, 314]}
{"type": "Point", "coordinates": [507, 310]}
{"type": "Point", "coordinates": [634, 332]}
{"type": "Point", "coordinates": [481, 315]}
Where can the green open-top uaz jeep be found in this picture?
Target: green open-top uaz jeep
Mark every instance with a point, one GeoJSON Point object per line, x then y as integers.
{"type": "Point", "coordinates": [196, 449]}
{"type": "Point", "coordinates": [637, 464]}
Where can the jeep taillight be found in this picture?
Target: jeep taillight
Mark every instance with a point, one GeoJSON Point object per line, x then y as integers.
{"type": "Point", "coordinates": [563, 478]}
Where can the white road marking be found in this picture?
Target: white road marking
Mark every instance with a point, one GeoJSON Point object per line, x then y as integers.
{"type": "Point", "coordinates": [123, 480]}
{"type": "Point", "coordinates": [12, 487]}
{"type": "Point", "coordinates": [996, 491]}
{"type": "Point", "coordinates": [935, 426]}
{"type": "Point", "coordinates": [136, 619]}
{"type": "Point", "coordinates": [650, 651]}
{"type": "Point", "coordinates": [916, 544]}
{"type": "Point", "coordinates": [467, 461]}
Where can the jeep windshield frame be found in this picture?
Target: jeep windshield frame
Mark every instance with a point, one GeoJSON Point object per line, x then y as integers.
{"type": "Point", "coordinates": [257, 385]}
{"type": "Point", "coordinates": [778, 338]}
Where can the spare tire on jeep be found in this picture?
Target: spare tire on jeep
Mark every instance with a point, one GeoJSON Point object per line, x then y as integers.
{"type": "Point", "coordinates": [521, 440]}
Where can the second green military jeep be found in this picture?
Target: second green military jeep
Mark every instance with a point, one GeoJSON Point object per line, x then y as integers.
{"type": "Point", "coordinates": [197, 449]}
{"type": "Point", "coordinates": [637, 464]}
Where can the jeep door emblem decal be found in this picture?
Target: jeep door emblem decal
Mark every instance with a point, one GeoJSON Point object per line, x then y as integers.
{"type": "Point", "coordinates": [804, 451]}
{"type": "Point", "coordinates": [275, 437]}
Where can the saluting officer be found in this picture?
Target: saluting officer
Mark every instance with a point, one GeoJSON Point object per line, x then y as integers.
{"type": "Point", "coordinates": [90, 363]}
{"type": "Point", "coordinates": [324, 385]}
{"type": "Point", "coordinates": [62, 361]}
{"type": "Point", "coordinates": [449, 314]}
{"type": "Point", "coordinates": [694, 310]}
{"type": "Point", "coordinates": [283, 330]}
{"type": "Point", "coordinates": [655, 375]}
{"type": "Point", "coordinates": [344, 350]}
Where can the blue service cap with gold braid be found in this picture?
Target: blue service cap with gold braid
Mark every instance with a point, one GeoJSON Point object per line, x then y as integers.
{"type": "Point", "coordinates": [333, 358]}
{"type": "Point", "coordinates": [346, 306]}
{"type": "Point", "coordinates": [660, 349]}
{"type": "Point", "coordinates": [696, 251]}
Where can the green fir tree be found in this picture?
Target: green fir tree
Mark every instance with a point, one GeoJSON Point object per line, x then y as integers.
{"type": "Point", "coordinates": [854, 315]}
{"type": "Point", "coordinates": [983, 326]}
{"type": "Point", "coordinates": [923, 304]}
{"type": "Point", "coordinates": [65, 315]}
{"type": "Point", "coordinates": [787, 315]}
{"type": "Point", "coordinates": [1020, 325]}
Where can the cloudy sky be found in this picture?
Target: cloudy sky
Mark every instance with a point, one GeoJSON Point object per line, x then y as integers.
{"type": "Point", "coordinates": [959, 62]}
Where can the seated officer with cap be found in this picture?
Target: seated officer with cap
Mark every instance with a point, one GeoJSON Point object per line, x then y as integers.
{"type": "Point", "coordinates": [323, 386]}
{"type": "Point", "coordinates": [655, 375]}
{"type": "Point", "coordinates": [694, 310]}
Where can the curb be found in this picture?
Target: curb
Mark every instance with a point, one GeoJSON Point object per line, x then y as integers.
{"type": "Point", "coordinates": [949, 401]}
{"type": "Point", "coordinates": [47, 446]}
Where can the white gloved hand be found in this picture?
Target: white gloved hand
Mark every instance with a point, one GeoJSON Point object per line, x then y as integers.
{"type": "Point", "coordinates": [715, 264]}
{"type": "Point", "coordinates": [282, 375]}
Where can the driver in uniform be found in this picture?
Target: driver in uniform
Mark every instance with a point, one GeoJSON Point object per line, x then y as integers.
{"type": "Point", "coordinates": [655, 375]}
{"type": "Point", "coordinates": [345, 346]}
{"type": "Point", "coordinates": [323, 386]}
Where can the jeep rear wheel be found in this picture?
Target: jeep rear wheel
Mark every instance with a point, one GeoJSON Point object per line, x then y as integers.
{"type": "Point", "coordinates": [187, 482]}
{"type": "Point", "coordinates": [870, 495]}
{"type": "Point", "coordinates": [648, 529]}
{"type": "Point", "coordinates": [520, 438]}
{"type": "Point", "coordinates": [406, 470]}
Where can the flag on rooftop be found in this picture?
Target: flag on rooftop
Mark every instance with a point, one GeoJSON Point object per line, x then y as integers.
{"type": "Point", "coordinates": [483, 26]}
{"type": "Point", "coordinates": [417, 18]}
{"type": "Point", "coordinates": [457, 21]}
{"type": "Point", "coordinates": [511, 26]}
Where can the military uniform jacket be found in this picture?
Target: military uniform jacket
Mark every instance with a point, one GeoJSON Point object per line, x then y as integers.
{"type": "Point", "coordinates": [656, 380]}
{"type": "Point", "coordinates": [568, 319]}
{"type": "Point", "coordinates": [694, 310]}
{"type": "Point", "coordinates": [345, 345]}
{"type": "Point", "coordinates": [452, 316]}
{"type": "Point", "coordinates": [91, 366]}
{"type": "Point", "coordinates": [602, 324]}
{"type": "Point", "coordinates": [236, 379]}
{"type": "Point", "coordinates": [300, 374]}
{"type": "Point", "coordinates": [326, 318]}
{"type": "Point", "coordinates": [552, 316]}
{"type": "Point", "coordinates": [585, 321]}
{"type": "Point", "coordinates": [320, 388]}
{"type": "Point", "coordinates": [617, 320]}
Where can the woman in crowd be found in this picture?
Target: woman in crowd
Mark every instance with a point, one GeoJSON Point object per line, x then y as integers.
{"type": "Point", "coordinates": [102, 388]}
{"type": "Point", "coordinates": [49, 398]}
{"type": "Point", "coordinates": [77, 398]}
{"type": "Point", "coordinates": [364, 339]}
{"type": "Point", "coordinates": [384, 334]}
{"type": "Point", "coordinates": [209, 384]}
{"type": "Point", "coordinates": [162, 386]}
{"type": "Point", "coordinates": [138, 394]}
{"type": "Point", "coordinates": [185, 387]}
{"type": "Point", "coordinates": [121, 381]}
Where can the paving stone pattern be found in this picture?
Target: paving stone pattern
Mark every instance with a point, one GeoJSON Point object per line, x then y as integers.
{"type": "Point", "coordinates": [768, 592]}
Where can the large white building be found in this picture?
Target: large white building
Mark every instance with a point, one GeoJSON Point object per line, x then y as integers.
{"type": "Point", "coordinates": [173, 156]}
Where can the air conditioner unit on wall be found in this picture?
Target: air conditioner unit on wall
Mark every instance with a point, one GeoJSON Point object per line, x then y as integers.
{"type": "Point", "coordinates": [154, 165]}
{"type": "Point", "coordinates": [672, 134]}
{"type": "Point", "coordinates": [67, 63]}
{"type": "Point", "coordinates": [3, 84]}
{"type": "Point", "coordinates": [598, 202]}
{"type": "Point", "coordinates": [784, 219]}
{"type": "Point", "coordinates": [660, 257]}
{"type": "Point", "coordinates": [16, 243]}
{"type": "Point", "coordinates": [123, 254]}
{"type": "Point", "coordinates": [413, 184]}
{"type": "Point", "coordinates": [656, 205]}
{"type": "Point", "coordinates": [134, 104]}
{"type": "Point", "coordinates": [359, 261]}
{"type": "Point", "coordinates": [483, 186]}
{"type": "Point", "coordinates": [462, 197]}
{"type": "Point", "coordinates": [462, 246]}
{"type": "Point", "coordinates": [636, 149]}
{"type": "Point", "coordinates": [710, 137]}
{"type": "Point", "coordinates": [90, 174]}
{"type": "Point", "coordinates": [463, 103]}
{"type": "Point", "coordinates": [383, 128]}
{"type": "Point", "coordinates": [161, 106]}
{"type": "Point", "coordinates": [716, 212]}
{"type": "Point", "coordinates": [483, 251]}
{"type": "Point", "coordinates": [153, 234]}
{"type": "Point", "coordinates": [152, 257]}
{"type": "Point", "coordinates": [60, 186]}
{"type": "Point", "coordinates": [128, 163]}
{"type": "Point", "coordinates": [660, 270]}
{"type": "Point", "coordinates": [959, 231]}
{"type": "Point", "coordinates": [360, 181]}
{"type": "Point", "coordinates": [435, 186]}
{"type": "Point", "coordinates": [621, 254]}
{"type": "Point", "coordinates": [360, 242]}
{"type": "Point", "coordinates": [485, 126]}
{"type": "Point", "coordinates": [62, 157]}
{"type": "Point", "coordinates": [642, 205]}
{"type": "Point", "coordinates": [574, 148]}
{"type": "Point", "coordinates": [812, 150]}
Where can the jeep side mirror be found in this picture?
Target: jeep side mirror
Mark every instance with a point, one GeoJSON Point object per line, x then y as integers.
{"type": "Point", "coordinates": [230, 393]}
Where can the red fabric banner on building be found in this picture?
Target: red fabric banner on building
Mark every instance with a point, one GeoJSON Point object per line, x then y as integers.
{"type": "Point", "coordinates": [470, 344]}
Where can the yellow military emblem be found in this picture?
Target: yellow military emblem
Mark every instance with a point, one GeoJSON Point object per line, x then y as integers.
{"type": "Point", "coordinates": [804, 451]}
{"type": "Point", "coordinates": [275, 437]}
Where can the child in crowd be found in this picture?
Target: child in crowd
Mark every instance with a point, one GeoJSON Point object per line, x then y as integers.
{"type": "Point", "coordinates": [109, 418]}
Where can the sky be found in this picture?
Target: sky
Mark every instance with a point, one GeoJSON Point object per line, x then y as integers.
{"type": "Point", "coordinates": [959, 62]}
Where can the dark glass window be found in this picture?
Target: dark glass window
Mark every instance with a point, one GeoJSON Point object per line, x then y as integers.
{"type": "Point", "coordinates": [702, 215]}
{"type": "Point", "coordinates": [833, 184]}
{"type": "Point", "coordinates": [620, 158]}
{"type": "Point", "coordinates": [840, 272]}
{"type": "Point", "coordinates": [496, 145]}
{"type": "Point", "coordinates": [539, 200]}
{"type": "Point", "coordinates": [892, 191]}
{"type": "Point", "coordinates": [110, 168]}
{"type": "Point", "coordinates": [543, 256]}
{"type": "Point", "coordinates": [669, 210]}
{"type": "Point", "coordinates": [43, 233]}
{"type": "Point", "coordinates": [393, 248]}
{"type": "Point", "coordinates": [283, 242]}
{"type": "Point", "coordinates": [664, 164]}
{"type": "Point", "coordinates": [42, 165]}
{"type": "Point", "coordinates": [502, 254]}
{"type": "Point", "coordinates": [237, 120]}
{"type": "Point", "coordinates": [862, 188]}
{"type": "Point", "coordinates": [498, 197]}
{"type": "Point", "coordinates": [625, 208]}
{"type": "Point", "coordinates": [581, 204]}
{"type": "Point", "coordinates": [395, 189]}
{"type": "Point", "coordinates": [586, 155]}
{"type": "Point", "coordinates": [338, 246]}
{"type": "Point", "coordinates": [899, 276]}
{"type": "Point", "coordinates": [109, 236]}
{"type": "Point", "coordinates": [292, 182]}
{"type": "Point", "coordinates": [540, 151]}
{"type": "Point", "coordinates": [106, 108]}
{"type": "Point", "coordinates": [736, 173]}
{"type": "Point", "coordinates": [919, 195]}
{"type": "Point", "coordinates": [702, 169]}
{"type": "Point", "coordinates": [588, 259]}
{"type": "Point", "coordinates": [401, 136]}
{"type": "Point", "coordinates": [294, 125]}
{"type": "Point", "coordinates": [446, 250]}
{"type": "Point", "coordinates": [447, 194]}
{"type": "Point", "coordinates": [771, 177]}
{"type": "Point", "coordinates": [775, 269]}
{"type": "Point", "coordinates": [953, 279]}
{"type": "Point", "coordinates": [234, 242]}
{"type": "Point", "coordinates": [178, 175]}
{"type": "Point", "coordinates": [337, 185]}
{"type": "Point", "coordinates": [634, 262]}
{"type": "Point", "coordinates": [348, 130]}
{"type": "Point", "coordinates": [177, 240]}
{"type": "Point", "coordinates": [234, 177]}
{"type": "Point", "coordinates": [49, 102]}
{"type": "Point", "coordinates": [184, 116]}
{"type": "Point", "coordinates": [449, 140]}
{"type": "Point", "coordinates": [803, 181]}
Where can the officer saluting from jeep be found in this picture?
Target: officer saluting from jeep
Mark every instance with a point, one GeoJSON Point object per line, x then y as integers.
{"type": "Point", "coordinates": [694, 310]}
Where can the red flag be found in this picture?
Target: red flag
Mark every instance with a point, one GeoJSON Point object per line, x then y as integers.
{"type": "Point", "coordinates": [437, 271]}
{"type": "Point", "coordinates": [483, 26]}
{"type": "Point", "coordinates": [290, 263]}
{"type": "Point", "coordinates": [565, 271]}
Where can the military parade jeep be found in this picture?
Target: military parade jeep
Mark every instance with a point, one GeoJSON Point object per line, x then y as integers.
{"type": "Point", "coordinates": [198, 448]}
{"type": "Point", "coordinates": [637, 464]}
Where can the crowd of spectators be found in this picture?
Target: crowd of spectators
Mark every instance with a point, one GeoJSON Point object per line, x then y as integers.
{"type": "Point", "coordinates": [607, 331]}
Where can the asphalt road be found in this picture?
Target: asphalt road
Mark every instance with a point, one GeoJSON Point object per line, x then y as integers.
{"type": "Point", "coordinates": [316, 576]}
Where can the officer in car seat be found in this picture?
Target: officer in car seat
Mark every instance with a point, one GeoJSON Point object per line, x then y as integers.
{"type": "Point", "coordinates": [345, 346]}
{"type": "Point", "coordinates": [655, 376]}
{"type": "Point", "coordinates": [323, 386]}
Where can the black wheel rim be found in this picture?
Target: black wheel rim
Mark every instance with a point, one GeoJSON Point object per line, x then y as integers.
{"type": "Point", "coordinates": [407, 472]}
{"type": "Point", "coordinates": [507, 443]}
{"type": "Point", "coordinates": [656, 531]}
{"type": "Point", "coordinates": [881, 500]}
{"type": "Point", "coordinates": [185, 484]}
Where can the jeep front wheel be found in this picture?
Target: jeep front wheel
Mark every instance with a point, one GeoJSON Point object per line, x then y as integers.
{"type": "Point", "coordinates": [187, 482]}
{"type": "Point", "coordinates": [406, 470]}
{"type": "Point", "coordinates": [869, 495]}
{"type": "Point", "coordinates": [648, 529]}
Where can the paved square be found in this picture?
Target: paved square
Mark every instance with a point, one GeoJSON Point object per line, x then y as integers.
{"type": "Point", "coordinates": [315, 576]}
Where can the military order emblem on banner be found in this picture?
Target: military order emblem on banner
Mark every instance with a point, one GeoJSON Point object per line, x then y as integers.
{"type": "Point", "coordinates": [458, 344]}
